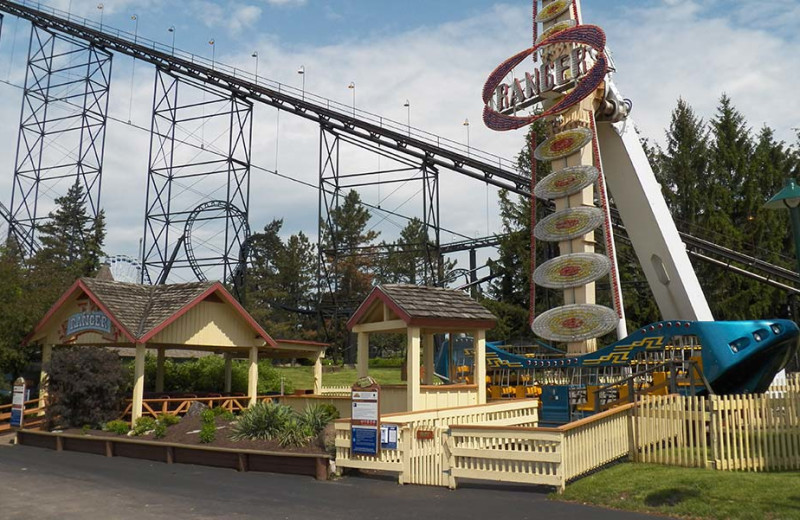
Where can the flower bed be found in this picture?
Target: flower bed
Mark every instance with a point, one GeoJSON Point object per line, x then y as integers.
{"type": "Point", "coordinates": [240, 458]}
{"type": "Point", "coordinates": [265, 437]}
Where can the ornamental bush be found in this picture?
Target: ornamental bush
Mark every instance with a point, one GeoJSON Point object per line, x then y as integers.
{"type": "Point", "coordinates": [317, 416]}
{"type": "Point", "coordinates": [85, 385]}
{"type": "Point", "coordinates": [262, 421]}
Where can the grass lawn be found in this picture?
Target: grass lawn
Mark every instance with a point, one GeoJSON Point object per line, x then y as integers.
{"type": "Point", "coordinates": [691, 493]}
{"type": "Point", "coordinates": [303, 377]}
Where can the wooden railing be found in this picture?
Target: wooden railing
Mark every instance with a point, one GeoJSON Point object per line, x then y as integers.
{"type": "Point", "coordinates": [180, 405]}
{"type": "Point", "coordinates": [32, 417]}
{"type": "Point", "coordinates": [730, 432]}
{"type": "Point", "coordinates": [420, 457]}
{"type": "Point", "coordinates": [544, 456]}
{"type": "Point", "coordinates": [336, 391]}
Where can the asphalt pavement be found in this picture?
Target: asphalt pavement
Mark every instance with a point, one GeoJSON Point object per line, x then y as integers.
{"type": "Point", "coordinates": [41, 484]}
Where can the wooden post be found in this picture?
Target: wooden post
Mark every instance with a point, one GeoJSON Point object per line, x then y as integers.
{"type": "Point", "coordinates": [252, 377]}
{"type": "Point", "coordinates": [428, 361]}
{"type": "Point", "coordinates": [479, 346]}
{"type": "Point", "coordinates": [160, 369]}
{"type": "Point", "coordinates": [363, 354]}
{"type": "Point", "coordinates": [452, 368]}
{"type": "Point", "coordinates": [47, 353]}
{"type": "Point", "coordinates": [413, 397]}
{"type": "Point", "coordinates": [138, 382]}
{"type": "Point", "coordinates": [228, 377]}
{"type": "Point", "coordinates": [318, 373]}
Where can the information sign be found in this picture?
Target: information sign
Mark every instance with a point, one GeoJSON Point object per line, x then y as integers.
{"type": "Point", "coordinates": [365, 417]}
{"type": "Point", "coordinates": [388, 437]}
{"type": "Point", "coordinates": [18, 403]}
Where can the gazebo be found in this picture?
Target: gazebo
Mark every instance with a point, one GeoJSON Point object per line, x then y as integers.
{"type": "Point", "coordinates": [200, 316]}
{"type": "Point", "coordinates": [420, 313]}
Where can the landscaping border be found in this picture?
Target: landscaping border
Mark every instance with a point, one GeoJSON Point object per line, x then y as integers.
{"type": "Point", "coordinates": [314, 465]}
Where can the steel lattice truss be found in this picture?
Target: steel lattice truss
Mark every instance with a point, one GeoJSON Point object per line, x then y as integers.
{"type": "Point", "coordinates": [62, 129]}
{"type": "Point", "coordinates": [199, 149]}
{"type": "Point", "coordinates": [35, 174]}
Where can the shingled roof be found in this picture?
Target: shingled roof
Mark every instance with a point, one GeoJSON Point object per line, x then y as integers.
{"type": "Point", "coordinates": [143, 309]}
{"type": "Point", "coordinates": [419, 305]}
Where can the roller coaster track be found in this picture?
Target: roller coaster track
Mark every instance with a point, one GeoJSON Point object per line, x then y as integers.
{"type": "Point", "coordinates": [709, 252]}
{"type": "Point", "coordinates": [336, 117]}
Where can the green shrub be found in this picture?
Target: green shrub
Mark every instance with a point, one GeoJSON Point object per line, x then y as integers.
{"type": "Point", "coordinates": [208, 433]}
{"type": "Point", "coordinates": [85, 385]}
{"type": "Point", "coordinates": [160, 430]}
{"type": "Point", "coordinates": [295, 433]}
{"type": "Point", "coordinates": [85, 429]}
{"type": "Point", "coordinates": [143, 425]}
{"type": "Point", "coordinates": [317, 416]}
{"type": "Point", "coordinates": [223, 413]}
{"type": "Point", "coordinates": [167, 419]}
{"type": "Point", "coordinates": [386, 362]}
{"type": "Point", "coordinates": [118, 427]}
{"type": "Point", "coordinates": [207, 416]}
{"type": "Point", "coordinates": [262, 421]}
{"type": "Point", "coordinates": [207, 374]}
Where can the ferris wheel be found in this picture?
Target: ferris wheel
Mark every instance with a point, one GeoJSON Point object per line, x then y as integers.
{"type": "Point", "coordinates": [124, 268]}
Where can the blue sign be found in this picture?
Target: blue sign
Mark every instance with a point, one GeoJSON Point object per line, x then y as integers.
{"type": "Point", "coordinates": [95, 321]}
{"type": "Point", "coordinates": [364, 440]}
{"type": "Point", "coordinates": [18, 404]}
{"type": "Point", "coordinates": [16, 418]}
{"type": "Point", "coordinates": [388, 437]}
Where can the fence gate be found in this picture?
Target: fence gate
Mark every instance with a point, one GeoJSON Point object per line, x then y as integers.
{"type": "Point", "coordinates": [427, 460]}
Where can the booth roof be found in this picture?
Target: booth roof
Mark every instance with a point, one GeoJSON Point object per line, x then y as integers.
{"type": "Point", "coordinates": [141, 311]}
{"type": "Point", "coordinates": [414, 303]}
{"type": "Point", "coordinates": [141, 308]}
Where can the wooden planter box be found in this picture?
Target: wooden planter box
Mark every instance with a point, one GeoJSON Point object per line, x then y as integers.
{"type": "Point", "coordinates": [314, 465]}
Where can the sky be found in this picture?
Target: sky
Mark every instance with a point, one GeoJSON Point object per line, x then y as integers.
{"type": "Point", "coordinates": [435, 55]}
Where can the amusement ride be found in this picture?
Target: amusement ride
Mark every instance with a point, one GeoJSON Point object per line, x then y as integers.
{"type": "Point", "coordinates": [593, 149]}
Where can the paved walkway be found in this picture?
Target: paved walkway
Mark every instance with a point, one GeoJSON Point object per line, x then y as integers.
{"type": "Point", "coordinates": [42, 484]}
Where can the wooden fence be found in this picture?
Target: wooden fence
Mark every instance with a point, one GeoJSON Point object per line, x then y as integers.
{"type": "Point", "coordinates": [420, 457]}
{"type": "Point", "coordinates": [545, 456]}
{"type": "Point", "coordinates": [32, 416]}
{"type": "Point", "coordinates": [728, 432]}
{"type": "Point", "coordinates": [180, 405]}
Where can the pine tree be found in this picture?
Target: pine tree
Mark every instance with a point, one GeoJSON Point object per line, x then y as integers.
{"type": "Point", "coordinates": [71, 240]}
{"type": "Point", "coordinates": [411, 258]}
{"type": "Point", "coordinates": [281, 282]}
{"type": "Point", "coordinates": [349, 264]}
{"type": "Point", "coordinates": [682, 169]}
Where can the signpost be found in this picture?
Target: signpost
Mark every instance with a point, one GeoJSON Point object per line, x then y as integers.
{"type": "Point", "coordinates": [18, 403]}
{"type": "Point", "coordinates": [365, 428]}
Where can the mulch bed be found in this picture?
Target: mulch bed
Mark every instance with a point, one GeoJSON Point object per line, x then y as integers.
{"type": "Point", "coordinates": [188, 432]}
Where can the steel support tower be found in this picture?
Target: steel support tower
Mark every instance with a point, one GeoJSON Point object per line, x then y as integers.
{"type": "Point", "coordinates": [199, 150]}
{"type": "Point", "coordinates": [334, 182]}
{"type": "Point", "coordinates": [62, 129]}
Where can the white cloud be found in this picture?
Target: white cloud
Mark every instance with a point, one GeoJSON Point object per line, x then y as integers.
{"type": "Point", "coordinates": [233, 17]}
{"type": "Point", "coordinates": [285, 3]}
{"type": "Point", "coordinates": [666, 50]}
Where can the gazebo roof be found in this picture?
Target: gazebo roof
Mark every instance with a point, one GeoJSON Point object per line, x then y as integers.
{"type": "Point", "coordinates": [142, 311]}
{"type": "Point", "coordinates": [421, 306]}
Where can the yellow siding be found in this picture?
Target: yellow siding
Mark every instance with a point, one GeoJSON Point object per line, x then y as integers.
{"type": "Point", "coordinates": [208, 323]}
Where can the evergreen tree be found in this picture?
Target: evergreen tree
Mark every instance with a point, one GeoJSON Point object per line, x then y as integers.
{"type": "Point", "coordinates": [410, 259]}
{"type": "Point", "coordinates": [349, 257]}
{"type": "Point", "coordinates": [281, 282]}
{"type": "Point", "coordinates": [71, 240]}
{"type": "Point", "coordinates": [348, 249]}
{"type": "Point", "coordinates": [682, 169]}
